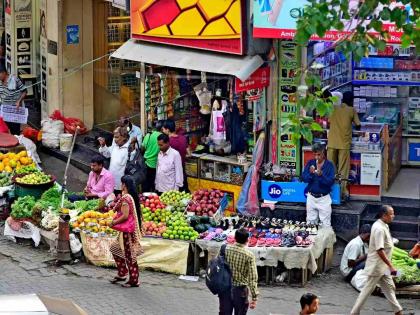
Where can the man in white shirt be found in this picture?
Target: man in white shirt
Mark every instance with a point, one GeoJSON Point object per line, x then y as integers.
{"type": "Point", "coordinates": [355, 253]}
{"type": "Point", "coordinates": [118, 152]}
{"type": "Point", "coordinates": [169, 173]}
{"type": "Point", "coordinates": [379, 268]}
{"type": "Point", "coordinates": [134, 132]}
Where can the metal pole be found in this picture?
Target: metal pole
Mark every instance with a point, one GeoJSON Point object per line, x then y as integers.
{"type": "Point", "coordinates": [63, 242]}
{"type": "Point", "coordinates": [67, 167]}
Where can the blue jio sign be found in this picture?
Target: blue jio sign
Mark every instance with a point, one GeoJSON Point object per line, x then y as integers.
{"type": "Point", "coordinates": [291, 192]}
{"type": "Point", "coordinates": [414, 151]}
{"type": "Point", "coordinates": [274, 191]}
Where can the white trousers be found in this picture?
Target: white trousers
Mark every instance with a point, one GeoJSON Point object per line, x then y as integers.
{"type": "Point", "coordinates": [388, 289]}
{"type": "Point", "coordinates": [319, 209]}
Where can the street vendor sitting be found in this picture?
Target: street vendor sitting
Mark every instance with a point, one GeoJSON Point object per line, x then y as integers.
{"type": "Point", "coordinates": [100, 183]}
{"type": "Point", "coordinates": [355, 253]}
{"type": "Point", "coordinates": [319, 174]}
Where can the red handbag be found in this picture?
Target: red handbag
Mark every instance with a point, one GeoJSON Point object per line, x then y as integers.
{"type": "Point", "coordinates": [128, 226]}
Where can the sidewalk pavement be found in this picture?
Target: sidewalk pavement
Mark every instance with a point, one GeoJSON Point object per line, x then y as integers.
{"type": "Point", "coordinates": [31, 270]}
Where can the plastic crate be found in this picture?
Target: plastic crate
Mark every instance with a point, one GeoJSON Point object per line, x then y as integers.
{"type": "Point", "coordinates": [15, 115]}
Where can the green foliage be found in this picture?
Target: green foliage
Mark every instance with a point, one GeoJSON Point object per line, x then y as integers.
{"type": "Point", "coordinates": [321, 16]}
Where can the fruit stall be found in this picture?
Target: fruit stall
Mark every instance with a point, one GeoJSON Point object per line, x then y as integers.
{"type": "Point", "coordinates": [211, 172]}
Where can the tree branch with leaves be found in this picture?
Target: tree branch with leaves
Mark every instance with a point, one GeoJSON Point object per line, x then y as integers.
{"type": "Point", "coordinates": [362, 23]}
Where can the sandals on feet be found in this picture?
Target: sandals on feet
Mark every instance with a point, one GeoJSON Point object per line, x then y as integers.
{"type": "Point", "coordinates": [117, 279]}
{"type": "Point", "coordinates": [130, 285]}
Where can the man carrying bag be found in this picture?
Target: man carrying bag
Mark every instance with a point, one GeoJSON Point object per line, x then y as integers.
{"type": "Point", "coordinates": [136, 167]}
{"type": "Point", "coordinates": [243, 269]}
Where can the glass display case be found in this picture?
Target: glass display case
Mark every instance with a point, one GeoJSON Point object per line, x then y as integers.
{"type": "Point", "coordinates": [223, 169]}
{"type": "Point", "coordinates": [385, 113]}
{"type": "Point", "coordinates": [369, 137]}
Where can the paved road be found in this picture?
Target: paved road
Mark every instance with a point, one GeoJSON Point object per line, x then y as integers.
{"type": "Point", "coordinates": [28, 270]}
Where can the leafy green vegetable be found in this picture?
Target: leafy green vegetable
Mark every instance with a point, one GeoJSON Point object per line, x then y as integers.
{"type": "Point", "coordinates": [93, 204]}
{"type": "Point", "coordinates": [22, 207]}
{"type": "Point", "coordinates": [407, 265]}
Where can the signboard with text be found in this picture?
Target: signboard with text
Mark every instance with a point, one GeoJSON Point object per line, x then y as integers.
{"type": "Point", "coordinates": [414, 151]}
{"type": "Point", "coordinates": [214, 25]}
{"type": "Point", "coordinates": [289, 63]}
{"type": "Point", "coordinates": [20, 50]}
{"type": "Point", "coordinates": [277, 19]}
{"type": "Point", "coordinates": [291, 192]}
{"type": "Point", "coordinates": [258, 80]}
{"type": "Point", "coordinates": [370, 169]}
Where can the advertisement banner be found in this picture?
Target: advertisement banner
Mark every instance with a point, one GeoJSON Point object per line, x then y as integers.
{"type": "Point", "coordinates": [44, 55]}
{"type": "Point", "coordinates": [277, 19]}
{"type": "Point", "coordinates": [258, 80]}
{"type": "Point", "coordinates": [370, 172]}
{"type": "Point", "coordinates": [414, 152]}
{"type": "Point", "coordinates": [214, 25]}
{"type": "Point", "coordinates": [289, 63]}
{"type": "Point", "coordinates": [291, 192]}
{"type": "Point", "coordinates": [20, 53]}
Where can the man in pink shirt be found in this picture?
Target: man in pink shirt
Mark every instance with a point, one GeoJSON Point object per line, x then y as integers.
{"type": "Point", "coordinates": [100, 183]}
{"type": "Point", "coordinates": [169, 173]}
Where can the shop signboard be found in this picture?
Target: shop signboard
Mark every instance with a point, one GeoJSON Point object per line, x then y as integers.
{"type": "Point", "coordinates": [291, 192]}
{"type": "Point", "coordinates": [215, 25]}
{"type": "Point", "coordinates": [414, 151]}
{"type": "Point", "coordinates": [370, 169]}
{"type": "Point", "coordinates": [289, 63]}
{"type": "Point", "coordinates": [258, 80]}
{"type": "Point", "coordinates": [44, 56]}
{"type": "Point", "coordinates": [278, 18]}
{"type": "Point", "coordinates": [20, 53]}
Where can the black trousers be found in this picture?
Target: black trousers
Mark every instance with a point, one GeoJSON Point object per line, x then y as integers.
{"type": "Point", "coordinates": [149, 183]}
{"type": "Point", "coordinates": [234, 300]}
{"type": "Point", "coordinates": [359, 266]}
{"type": "Point", "coordinates": [14, 128]}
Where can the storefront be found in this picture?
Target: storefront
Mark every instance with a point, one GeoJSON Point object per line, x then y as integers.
{"type": "Point", "coordinates": [385, 86]}
{"type": "Point", "coordinates": [194, 75]}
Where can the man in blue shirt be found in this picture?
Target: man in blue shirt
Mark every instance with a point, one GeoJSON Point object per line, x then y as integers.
{"type": "Point", "coordinates": [319, 173]}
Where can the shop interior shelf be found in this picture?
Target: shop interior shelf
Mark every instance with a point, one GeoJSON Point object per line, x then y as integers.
{"type": "Point", "coordinates": [391, 83]}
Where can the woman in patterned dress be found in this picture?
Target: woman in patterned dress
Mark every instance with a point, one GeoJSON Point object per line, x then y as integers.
{"type": "Point", "coordinates": [127, 248]}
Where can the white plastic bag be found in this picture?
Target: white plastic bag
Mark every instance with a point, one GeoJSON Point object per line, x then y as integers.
{"type": "Point", "coordinates": [51, 130]}
{"type": "Point", "coordinates": [75, 244]}
{"type": "Point", "coordinates": [359, 280]}
{"type": "Point", "coordinates": [28, 230]}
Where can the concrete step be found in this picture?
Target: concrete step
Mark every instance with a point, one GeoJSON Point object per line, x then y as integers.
{"type": "Point", "coordinates": [85, 147]}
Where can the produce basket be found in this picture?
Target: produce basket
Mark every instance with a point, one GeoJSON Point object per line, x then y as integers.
{"type": "Point", "coordinates": [96, 250]}
{"type": "Point", "coordinates": [35, 190]}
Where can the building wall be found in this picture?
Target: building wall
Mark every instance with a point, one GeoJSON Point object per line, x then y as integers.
{"type": "Point", "coordinates": [77, 85]}
{"type": "Point", "coordinates": [70, 87]}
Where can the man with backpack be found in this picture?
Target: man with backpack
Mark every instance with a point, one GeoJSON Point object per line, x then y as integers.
{"type": "Point", "coordinates": [244, 277]}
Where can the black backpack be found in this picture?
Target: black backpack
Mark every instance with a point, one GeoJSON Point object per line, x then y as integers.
{"type": "Point", "coordinates": [219, 275]}
{"type": "Point", "coordinates": [136, 167]}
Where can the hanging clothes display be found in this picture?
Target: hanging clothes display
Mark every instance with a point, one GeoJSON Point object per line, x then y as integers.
{"type": "Point", "coordinates": [217, 122]}
{"type": "Point", "coordinates": [204, 97]}
{"type": "Point", "coordinates": [235, 129]}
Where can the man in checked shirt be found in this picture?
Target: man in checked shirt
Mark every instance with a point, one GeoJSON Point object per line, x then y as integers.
{"type": "Point", "coordinates": [244, 278]}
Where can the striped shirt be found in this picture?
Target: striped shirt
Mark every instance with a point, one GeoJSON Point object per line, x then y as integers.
{"type": "Point", "coordinates": [10, 92]}
{"type": "Point", "coordinates": [243, 267]}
